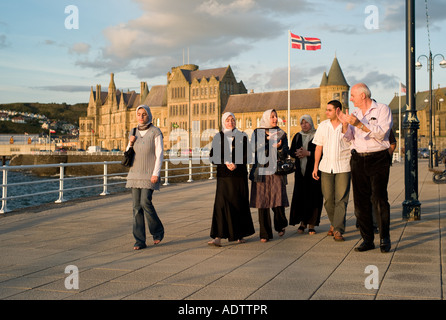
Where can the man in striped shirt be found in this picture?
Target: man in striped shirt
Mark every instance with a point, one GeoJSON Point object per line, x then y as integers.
{"type": "Point", "coordinates": [368, 129]}
{"type": "Point", "coordinates": [334, 166]}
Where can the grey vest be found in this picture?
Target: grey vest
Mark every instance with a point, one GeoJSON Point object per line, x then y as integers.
{"type": "Point", "coordinates": [140, 173]}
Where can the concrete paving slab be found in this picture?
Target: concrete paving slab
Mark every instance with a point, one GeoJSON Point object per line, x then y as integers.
{"type": "Point", "coordinates": [94, 235]}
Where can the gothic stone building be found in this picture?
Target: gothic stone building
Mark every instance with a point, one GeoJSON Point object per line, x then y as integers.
{"type": "Point", "coordinates": [192, 102]}
{"type": "Point", "coordinates": [249, 108]}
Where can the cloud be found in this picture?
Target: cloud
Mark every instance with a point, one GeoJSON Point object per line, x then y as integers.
{"type": "Point", "coordinates": [277, 79]}
{"type": "Point", "coordinates": [76, 48]}
{"type": "Point", "coordinates": [213, 30]}
{"type": "Point", "coordinates": [3, 41]}
{"type": "Point", "coordinates": [381, 80]}
{"type": "Point", "coordinates": [65, 88]}
{"type": "Point", "coordinates": [80, 48]}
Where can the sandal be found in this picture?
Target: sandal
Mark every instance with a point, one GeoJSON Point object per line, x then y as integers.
{"type": "Point", "coordinates": [156, 242]}
{"type": "Point", "coordinates": [264, 240]}
{"type": "Point", "coordinates": [311, 231]}
{"type": "Point", "coordinates": [214, 243]}
{"type": "Point", "coordinates": [301, 229]}
{"type": "Point", "coordinates": [281, 233]}
{"type": "Point", "coordinates": [138, 247]}
{"type": "Point", "coordinates": [241, 241]}
{"type": "Point", "coordinates": [338, 236]}
{"type": "Point", "coordinates": [330, 232]}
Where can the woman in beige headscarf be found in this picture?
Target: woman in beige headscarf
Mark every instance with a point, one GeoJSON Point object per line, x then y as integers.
{"type": "Point", "coordinates": [268, 190]}
{"type": "Point", "coordinates": [306, 204]}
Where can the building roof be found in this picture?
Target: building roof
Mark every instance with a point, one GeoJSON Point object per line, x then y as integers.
{"type": "Point", "coordinates": [335, 75]}
{"type": "Point", "coordinates": [259, 102]}
{"type": "Point", "coordinates": [190, 75]}
{"type": "Point", "coordinates": [157, 96]}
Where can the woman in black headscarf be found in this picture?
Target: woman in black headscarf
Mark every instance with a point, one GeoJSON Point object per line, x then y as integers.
{"type": "Point", "coordinates": [231, 217]}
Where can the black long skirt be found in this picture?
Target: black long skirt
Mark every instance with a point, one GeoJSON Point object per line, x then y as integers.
{"type": "Point", "coordinates": [307, 201]}
{"type": "Point", "coordinates": [232, 218]}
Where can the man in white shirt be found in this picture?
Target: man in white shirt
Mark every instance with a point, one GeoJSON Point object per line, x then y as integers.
{"type": "Point", "coordinates": [335, 168]}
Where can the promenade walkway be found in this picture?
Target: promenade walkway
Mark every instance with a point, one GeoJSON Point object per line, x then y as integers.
{"type": "Point", "coordinates": [94, 237]}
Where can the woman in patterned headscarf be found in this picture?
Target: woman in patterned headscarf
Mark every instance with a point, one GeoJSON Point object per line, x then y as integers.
{"type": "Point", "coordinates": [231, 217]}
{"type": "Point", "coordinates": [268, 190]}
{"type": "Point", "coordinates": [144, 177]}
{"type": "Point", "coordinates": [306, 204]}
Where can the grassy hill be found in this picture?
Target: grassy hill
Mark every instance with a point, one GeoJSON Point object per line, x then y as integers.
{"type": "Point", "coordinates": [53, 111]}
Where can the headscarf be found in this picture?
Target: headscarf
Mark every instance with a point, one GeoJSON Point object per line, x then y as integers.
{"type": "Point", "coordinates": [223, 121]}
{"type": "Point", "coordinates": [306, 138]}
{"type": "Point", "coordinates": [265, 122]}
{"type": "Point", "coordinates": [146, 125]}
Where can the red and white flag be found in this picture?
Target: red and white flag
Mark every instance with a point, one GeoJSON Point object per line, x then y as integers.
{"type": "Point", "coordinates": [403, 88]}
{"type": "Point", "coordinates": [305, 43]}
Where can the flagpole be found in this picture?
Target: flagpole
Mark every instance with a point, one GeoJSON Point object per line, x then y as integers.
{"type": "Point", "coordinates": [289, 76]}
{"type": "Point", "coordinates": [399, 122]}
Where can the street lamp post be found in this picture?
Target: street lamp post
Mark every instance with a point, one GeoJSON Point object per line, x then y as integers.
{"type": "Point", "coordinates": [430, 69]}
{"type": "Point", "coordinates": [411, 205]}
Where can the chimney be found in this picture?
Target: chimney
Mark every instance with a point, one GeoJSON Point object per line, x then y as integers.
{"type": "Point", "coordinates": [144, 91]}
{"type": "Point", "coordinates": [98, 92]}
{"type": "Point", "coordinates": [111, 86]}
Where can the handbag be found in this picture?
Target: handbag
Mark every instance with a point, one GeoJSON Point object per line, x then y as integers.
{"type": "Point", "coordinates": [285, 167]}
{"type": "Point", "coordinates": [129, 155]}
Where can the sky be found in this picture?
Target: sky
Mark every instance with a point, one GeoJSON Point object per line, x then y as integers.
{"type": "Point", "coordinates": [55, 51]}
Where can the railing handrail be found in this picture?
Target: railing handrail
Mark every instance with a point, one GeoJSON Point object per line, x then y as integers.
{"type": "Point", "coordinates": [6, 168]}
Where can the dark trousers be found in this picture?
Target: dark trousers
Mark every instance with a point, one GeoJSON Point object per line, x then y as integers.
{"type": "Point", "coordinates": [370, 176]}
{"type": "Point", "coordinates": [280, 221]}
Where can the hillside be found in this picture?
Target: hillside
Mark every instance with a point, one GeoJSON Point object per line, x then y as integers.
{"type": "Point", "coordinates": [53, 111]}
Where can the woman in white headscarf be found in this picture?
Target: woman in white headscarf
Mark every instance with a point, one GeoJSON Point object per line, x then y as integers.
{"type": "Point", "coordinates": [268, 190]}
{"type": "Point", "coordinates": [231, 217]}
{"type": "Point", "coordinates": [144, 177]}
{"type": "Point", "coordinates": [306, 204]}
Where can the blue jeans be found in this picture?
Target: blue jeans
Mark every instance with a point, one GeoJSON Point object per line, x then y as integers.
{"type": "Point", "coordinates": [142, 206]}
{"type": "Point", "coordinates": [336, 189]}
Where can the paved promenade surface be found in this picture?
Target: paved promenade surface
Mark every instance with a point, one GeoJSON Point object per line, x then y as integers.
{"type": "Point", "coordinates": [36, 246]}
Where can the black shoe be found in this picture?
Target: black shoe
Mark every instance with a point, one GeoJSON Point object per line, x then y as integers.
{"type": "Point", "coordinates": [384, 245]}
{"type": "Point", "coordinates": [365, 247]}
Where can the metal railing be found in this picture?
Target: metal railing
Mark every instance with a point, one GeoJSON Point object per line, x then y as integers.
{"type": "Point", "coordinates": [105, 177]}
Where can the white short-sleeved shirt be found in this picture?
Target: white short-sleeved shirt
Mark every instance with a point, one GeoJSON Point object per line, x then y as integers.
{"type": "Point", "coordinates": [336, 151]}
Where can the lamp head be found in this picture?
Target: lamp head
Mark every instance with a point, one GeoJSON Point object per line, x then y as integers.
{"type": "Point", "coordinates": [443, 63]}
{"type": "Point", "coordinates": [418, 65]}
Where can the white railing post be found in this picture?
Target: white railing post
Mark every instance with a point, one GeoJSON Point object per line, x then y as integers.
{"type": "Point", "coordinates": [105, 191]}
{"type": "Point", "coordinates": [166, 174]}
{"type": "Point", "coordinates": [211, 176]}
{"type": "Point", "coordinates": [190, 170]}
{"type": "Point", "coordinates": [61, 177]}
{"type": "Point", "coordinates": [4, 208]}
